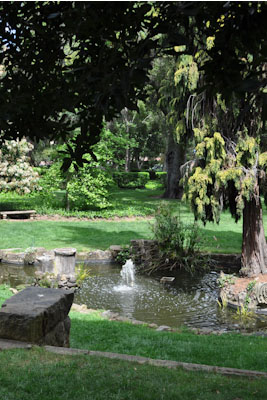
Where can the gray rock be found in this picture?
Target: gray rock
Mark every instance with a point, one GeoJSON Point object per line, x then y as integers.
{"type": "Point", "coordinates": [163, 328]}
{"type": "Point", "coordinates": [100, 255]}
{"type": "Point", "coordinates": [71, 285]}
{"type": "Point", "coordinates": [37, 315]}
{"type": "Point", "coordinates": [13, 258]}
{"type": "Point", "coordinates": [153, 326]}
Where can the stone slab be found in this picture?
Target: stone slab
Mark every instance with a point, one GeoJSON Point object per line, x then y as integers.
{"type": "Point", "coordinates": [6, 344]}
{"type": "Point", "coordinates": [161, 363]}
{"type": "Point", "coordinates": [34, 313]}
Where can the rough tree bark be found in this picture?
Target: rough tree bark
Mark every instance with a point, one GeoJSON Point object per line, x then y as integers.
{"type": "Point", "coordinates": [254, 248]}
{"type": "Point", "coordinates": [175, 157]}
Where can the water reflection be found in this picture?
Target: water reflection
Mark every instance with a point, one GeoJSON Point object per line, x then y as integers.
{"type": "Point", "coordinates": [190, 301]}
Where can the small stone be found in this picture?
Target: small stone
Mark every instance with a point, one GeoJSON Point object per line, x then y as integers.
{"type": "Point", "coordinates": [71, 285]}
{"type": "Point", "coordinates": [136, 322]}
{"type": "Point", "coordinates": [14, 291]}
{"type": "Point", "coordinates": [39, 274]}
{"type": "Point", "coordinates": [205, 331]}
{"type": "Point", "coordinates": [153, 326]}
{"type": "Point", "coordinates": [163, 328]}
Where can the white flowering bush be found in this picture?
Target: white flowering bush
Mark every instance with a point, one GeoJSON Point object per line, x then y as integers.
{"type": "Point", "coordinates": [16, 173]}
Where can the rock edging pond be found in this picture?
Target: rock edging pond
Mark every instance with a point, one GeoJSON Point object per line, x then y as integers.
{"type": "Point", "coordinates": [245, 294]}
{"type": "Point", "coordinates": [112, 316]}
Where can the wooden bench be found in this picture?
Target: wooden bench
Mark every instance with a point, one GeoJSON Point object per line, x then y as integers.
{"type": "Point", "coordinates": [30, 213]}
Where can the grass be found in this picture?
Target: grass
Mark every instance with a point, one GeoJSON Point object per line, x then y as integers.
{"type": "Point", "coordinates": [82, 235]}
{"type": "Point", "coordinates": [90, 331]}
{"type": "Point", "coordinates": [93, 332]}
{"type": "Point", "coordinates": [124, 203]}
{"type": "Point", "coordinates": [100, 234]}
{"type": "Point", "coordinates": [40, 375]}
{"type": "Point", "coordinates": [37, 374]}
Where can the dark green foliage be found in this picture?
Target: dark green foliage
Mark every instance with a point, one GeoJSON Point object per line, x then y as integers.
{"type": "Point", "coordinates": [162, 176]}
{"type": "Point", "coordinates": [178, 243]}
{"type": "Point", "coordinates": [123, 255]}
{"type": "Point", "coordinates": [131, 179]}
{"type": "Point", "coordinates": [80, 61]}
{"type": "Point", "coordinates": [77, 63]}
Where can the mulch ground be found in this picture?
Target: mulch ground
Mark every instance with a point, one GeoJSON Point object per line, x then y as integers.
{"type": "Point", "coordinates": [241, 284]}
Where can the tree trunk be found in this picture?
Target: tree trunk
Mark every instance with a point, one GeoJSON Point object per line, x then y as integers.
{"type": "Point", "coordinates": [175, 157]}
{"type": "Point", "coordinates": [254, 248]}
{"type": "Point", "coordinates": [127, 160]}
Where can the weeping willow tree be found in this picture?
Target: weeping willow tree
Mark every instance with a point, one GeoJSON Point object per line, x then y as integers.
{"type": "Point", "coordinates": [229, 171]}
{"type": "Point", "coordinates": [229, 122]}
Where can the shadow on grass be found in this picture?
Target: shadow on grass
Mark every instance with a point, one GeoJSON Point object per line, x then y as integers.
{"type": "Point", "coordinates": [96, 238]}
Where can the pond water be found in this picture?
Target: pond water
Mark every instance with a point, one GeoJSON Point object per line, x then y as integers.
{"type": "Point", "coordinates": [189, 301]}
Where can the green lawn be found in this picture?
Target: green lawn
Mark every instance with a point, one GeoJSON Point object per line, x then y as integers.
{"type": "Point", "coordinates": [90, 331]}
{"type": "Point", "coordinates": [81, 235]}
{"type": "Point", "coordinates": [93, 332]}
{"type": "Point", "coordinates": [39, 375]}
{"type": "Point", "coordinates": [100, 234]}
{"type": "Point", "coordinates": [124, 203]}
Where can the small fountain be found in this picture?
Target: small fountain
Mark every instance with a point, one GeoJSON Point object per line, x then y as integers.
{"type": "Point", "coordinates": [128, 277]}
{"type": "Point", "coordinates": [128, 272]}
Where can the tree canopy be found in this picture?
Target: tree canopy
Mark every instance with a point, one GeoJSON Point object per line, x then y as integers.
{"type": "Point", "coordinates": [69, 66]}
{"type": "Point", "coordinates": [91, 59]}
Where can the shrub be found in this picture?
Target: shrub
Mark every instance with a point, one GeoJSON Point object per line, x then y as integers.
{"type": "Point", "coordinates": [88, 188]}
{"type": "Point", "coordinates": [131, 179]}
{"type": "Point", "coordinates": [51, 178]}
{"type": "Point", "coordinates": [16, 173]}
{"type": "Point", "coordinates": [160, 176]}
{"type": "Point", "coordinates": [178, 243]}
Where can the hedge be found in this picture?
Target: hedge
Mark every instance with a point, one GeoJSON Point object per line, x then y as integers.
{"type": "Point", "coordinates": [131, 179]}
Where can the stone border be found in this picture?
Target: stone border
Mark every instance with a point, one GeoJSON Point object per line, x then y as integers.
{"type": "Point", "coordinates": [31, 257]}
{"type": "Point", "coordinates": [35, 256]}
{"type": "Point", "coordinates": [11, 344]}
{"type": "Point", "coordinates": [160, 363]}
{"type": "Point", "coordinates": [113, 316]}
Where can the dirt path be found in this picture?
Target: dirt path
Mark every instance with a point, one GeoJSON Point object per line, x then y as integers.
{"type": "Point", "coordinates": [60, 218]}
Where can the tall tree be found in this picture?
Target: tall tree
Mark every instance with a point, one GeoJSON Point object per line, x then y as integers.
{"type": "Point", "coordinates": [172, 81]}
{"type": "Point", "coordinates": [230, 165]}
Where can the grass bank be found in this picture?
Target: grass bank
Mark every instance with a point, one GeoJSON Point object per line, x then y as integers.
{"type": "Point", "coordinates": [93, 332]}
{"type": "Point", "coordinates": [39, 375]}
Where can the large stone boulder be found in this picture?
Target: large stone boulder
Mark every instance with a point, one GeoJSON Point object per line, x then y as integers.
{"type": "Point", "coordinates": [37, 315]}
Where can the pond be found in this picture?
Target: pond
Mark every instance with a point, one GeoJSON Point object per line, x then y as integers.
{"type": "Point", "coordinates": [189, 301]}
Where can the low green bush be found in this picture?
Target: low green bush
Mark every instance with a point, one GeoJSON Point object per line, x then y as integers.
{"type": "Point", "coordinates": [131, 179]}
{"type": "Point", "coordinates": [160, 175]}
{"type": "Point", "coordinates": [178, 243]}
{"type": "Point", "coordinates": [86, 189]}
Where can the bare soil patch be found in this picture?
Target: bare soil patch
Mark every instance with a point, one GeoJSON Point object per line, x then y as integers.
{"type": "Point", "coordinates": [76, 219]}
{"type": "Point", "coordinates": [241, 284]}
